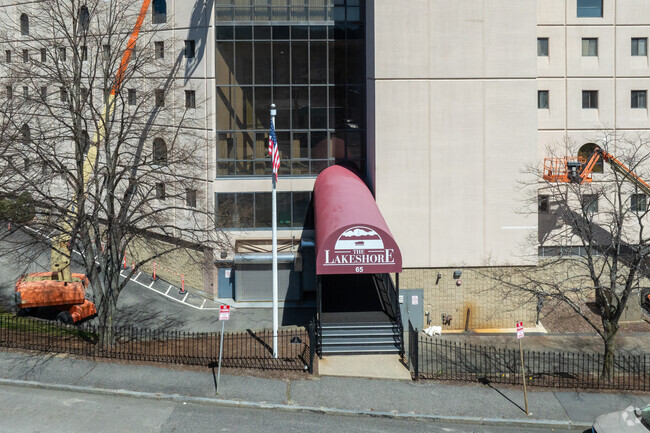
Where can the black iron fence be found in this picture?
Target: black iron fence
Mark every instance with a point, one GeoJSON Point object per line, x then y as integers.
{"type": "Point", "coordinates": [432, 358]}
{"type": "Point", "coordinates": [248, 349]}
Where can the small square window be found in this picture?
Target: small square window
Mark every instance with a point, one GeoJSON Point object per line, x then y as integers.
{"type": "Point", "coordinates": [543, 204]}
{"type": "Point", "coordinates": [10, 92]}
{"type": "Point", "coordinates": [84, 53]}
{"type": "Point", "coordinates": [160, 191]}
{"type": "Point", "coordinates": [25, 56]}
{"type": "Point", "coordinates": [132, 97]}
{"type": "Point", "coordinates": [638, 203]}
{"type": "Point", "coordinates": [639, 46]}
{"type": "Point", "coordinates": [190, 99]}
{"type": "Point", "coordinates": [190, 197]}
{"type": "Point", "coordinates": [590, 99]}
{"type": "Point", "coordinates": [7, 56]}
{"type": "Point", "coordinates": [43, 55]}
{"type": "Point", "coordinates": [542, 99]}
{"type": "Point", "coordinates": [639, 99]}
{"type": "Point", "coordinates": [160, 98]}
{"type": "Point", "coordinates": [589, 47]}
{"type": "Point", "coordinates": [590, 203]}
{"type": "Point", "coordinates": [590, 8]}
{"type": "Point", "coordinates": [189, 49]}
{"type": "Point", "coordinates": [25, 92]}
{"type": "Point", "coordinates": [159, 50]}
{"type": "Point", "coordinates": [542, 47]}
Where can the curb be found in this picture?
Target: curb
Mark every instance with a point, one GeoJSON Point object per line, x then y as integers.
{"type": "Point", "coordinates": [450, 419]}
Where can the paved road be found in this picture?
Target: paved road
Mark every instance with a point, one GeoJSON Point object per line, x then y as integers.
{"type": "Point", "coordinates": [37, 410]}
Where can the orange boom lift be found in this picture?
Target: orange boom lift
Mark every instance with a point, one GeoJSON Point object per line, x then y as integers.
{"type": "Point", "coordinates": [578, 170]}
{"type": "Point", "coordinates": [61, 289]}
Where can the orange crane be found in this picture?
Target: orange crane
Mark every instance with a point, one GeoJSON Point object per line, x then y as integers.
{"type": "Point", "coordinates": [578, 170]}
{"type": "Point", "coordinates": [60, 288]}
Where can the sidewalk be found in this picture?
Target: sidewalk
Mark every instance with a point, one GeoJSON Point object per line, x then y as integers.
{"type": "Point", "coordinates": [470, 404]}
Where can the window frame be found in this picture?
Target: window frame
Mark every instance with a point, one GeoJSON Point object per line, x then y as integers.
{"type": "Point", "coordinates": [132, 97]}
{"type": "Point", "coordinates": [159, 50]}
{"type": "Point", "coordinates": [585, 9]}
{"type": "Point", "coordinates": [189, 49]}
{"type": "Point", "coordinates": [634, 48]}
{"type": "Point", "coordinates": [540, 105]}
{"type": "Point", "coordinates": [160, 191]}
{"type": "Point", "coordinates": [587, 52]}
{"type": "Point", "coordinates": [190, 198]}
{"type": "Point", "coordinates": [24, 24]}
{"type": "Point", "coordinates": [158, 16]}
{"type": "Point", "coordinates": [589, 204]}
{"type": "Point", "coordinates": [542, 47]}
{"type": "Point", "coordinates": [637, 205]}
{"type": "Point", "coordinates": [190, 99]}
{"type": "Point", "coordinates": [543, 204]}
{"type": "Point", "coordinates": [159, 96]}
{"type": "Point", "coordinates": [592, 101]}
{"type": "Point", "coordinates": [638, 96]}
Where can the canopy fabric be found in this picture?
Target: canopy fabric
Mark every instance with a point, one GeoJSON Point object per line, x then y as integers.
{"type": "Point", "coordinates": [351, 234]}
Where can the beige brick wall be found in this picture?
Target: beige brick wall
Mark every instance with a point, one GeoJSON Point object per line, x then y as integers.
{"type": "Point", "coordinates": [487, 308]}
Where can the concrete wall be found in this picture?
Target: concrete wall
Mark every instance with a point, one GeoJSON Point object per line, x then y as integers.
{"type": "Point", "coordinates": [453, 85]}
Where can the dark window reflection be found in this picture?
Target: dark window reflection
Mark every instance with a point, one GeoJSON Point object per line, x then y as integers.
{"type": "Point", "coordinates": [253, 210]}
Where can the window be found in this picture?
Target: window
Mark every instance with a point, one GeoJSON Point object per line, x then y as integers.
{"type": "Point", "coordinates": [590, 99]}
{"type": "Point", "coordinates": [543, 204]}
{"type": "Point", "coordinates": [25, 92]}
{"type": "Point", "coordinates": [62, 54]}
{"type": "Point", "coordinates": [160, 191]}
{"type": "Point", "coordinates": [7, 56]}
{"type": "Point", "coordinates": [586, 151]}
{"type": "Point", "coordinates": [106, 51]}
{"type": "Point", "coordinates": [132, 97]}
{"type": "Point", "coordinates": [639, 98]}
{"type": "Point", "coordinates": [542, 99]}
{"type": "Point", "coordinates": [25, 134]}
{"type": "Point", "coordinates": [10, 92]}
{"type": "Point", "coordinates": [639, 46]}
{"type": "Point", "coordinates": [638, 203]}
{"type": "Point", "coordinates": [253, 210]}
{"type": "Point", "coordinates": [25, 56]}
{"type": "Point", "coordinates": [159, 151]}
{"type": "Point", "coordinates": [190, 99]}
{"type": "Point", "coordinates": [63, 95]}
{"type": "Point", "coordinates": [84, 53]}
{"type": "Point", "coordinates": [84, 18]}
{"type": "Point", "coordinates": [190, 197]}
{"type": "Point", "coordinates": [542, 47]}
{"type": "Point", "coordinates": [44, 93]}
{"type": "Point", "coordinates": [43, 55]}
{"type": "Point", "coordinates": [159, 12]}
{"type": "Point", "coordinates": [24, 25]}
{"type": "Point", "coordinates": [589, 47]}
{"type": "Point", "coordinates": [159, 50]}
{"type": "Point", "coordinates": [590, 8]}
{"type": "Point", "coordinates": [590, 203]}
{"type": "Point", "coordinates": [189, 49]}
{"type": "Point", "coordinates": [83, 93]}
{"type": "Point", "coordinates": [160, 98]}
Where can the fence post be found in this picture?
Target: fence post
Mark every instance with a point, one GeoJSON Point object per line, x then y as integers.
{"type": "Point", "coordinates": [416, 353]}
{"type": "Point", "coordinates": [312, 345]}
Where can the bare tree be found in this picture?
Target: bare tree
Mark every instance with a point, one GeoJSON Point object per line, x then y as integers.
{"type": "Point", "coordinates": [70, 105]}
{"type": "Point", "coordinates": [593, 235]}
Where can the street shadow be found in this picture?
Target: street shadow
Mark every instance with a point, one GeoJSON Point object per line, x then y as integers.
{"type": "Point", "coordinates": [486, 381]}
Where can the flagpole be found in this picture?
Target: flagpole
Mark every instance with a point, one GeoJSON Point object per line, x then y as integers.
{"type": "Point", "coordinates": [274, 246]}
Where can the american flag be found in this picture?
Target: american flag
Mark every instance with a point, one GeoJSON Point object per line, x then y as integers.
{"type": "Point", "coordinates": [273, 150]}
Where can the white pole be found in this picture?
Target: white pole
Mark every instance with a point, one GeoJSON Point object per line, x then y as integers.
{"type": "Point", "coordinates": [275, 251]}
{"type": "Point", "coordinates": [223, 324]}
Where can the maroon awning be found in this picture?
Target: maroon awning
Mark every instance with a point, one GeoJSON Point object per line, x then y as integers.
{"type": "Point", "coordinates": [351, 235]}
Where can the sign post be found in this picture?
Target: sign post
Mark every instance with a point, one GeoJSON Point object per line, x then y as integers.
{"type": "Point", "coordinates": [224, 314]}
{"type": "Point", "coordinates": [520, 335]}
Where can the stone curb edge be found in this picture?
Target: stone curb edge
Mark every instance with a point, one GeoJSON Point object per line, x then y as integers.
{"type": "Point", "coordinates": [566, 425]}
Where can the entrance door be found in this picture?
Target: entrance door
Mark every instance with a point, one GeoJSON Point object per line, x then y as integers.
{"type": "Point", "coordinates": [412, 308]}
{"type": "Point", "coordinates": [225, 283]}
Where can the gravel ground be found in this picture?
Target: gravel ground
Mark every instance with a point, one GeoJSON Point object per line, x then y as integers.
{"type": "Point", "coordinates": [558, 317]}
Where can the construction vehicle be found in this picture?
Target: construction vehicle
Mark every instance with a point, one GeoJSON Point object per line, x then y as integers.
{"type": "Point", "coordinates": [579, 170]}
{"type": "Point", "coordinates": [60, 289]}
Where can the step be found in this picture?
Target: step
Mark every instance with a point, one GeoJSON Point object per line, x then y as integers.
{"type": "Point", "coordinates": [352, 350]}
{"type": "Point", "coordinates": [357, 341]}
{"type": "Point", "coordinates": [363, 325]}
{"type": "Point", "coordinates": [357, 332]}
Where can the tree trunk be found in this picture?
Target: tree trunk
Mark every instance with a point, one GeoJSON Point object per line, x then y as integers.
{"type": "Point", "coordinates": [106, 311]}
{"type": "Point", "coordinates": [607, 372]}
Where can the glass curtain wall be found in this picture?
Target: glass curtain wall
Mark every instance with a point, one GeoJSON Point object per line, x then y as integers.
{"type": "Point", "coordinates": [307, 57]}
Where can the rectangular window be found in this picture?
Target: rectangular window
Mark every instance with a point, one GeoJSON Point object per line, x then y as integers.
{"type": "Point", "coordinates": [590, 9]}
{"type": "Point", "coordinates": [639, 46]}
{"type": "Point", "coordinates": [25, 56]}
{"type": "Point", "coordinates": [106, 52]}
{"type": "Point", "coordinates": [62, 54]}
{"type": "Point", "coordinates": [543, 204]}
{"type": "Point", "coordinates": [84, 94]}
{"type": "Point", "coordinates": [542, 99]}
{"type": "Point", "coordinates": [10, 92]}
{"type": "Point", "coordinates": [590, 99]}
{"type": "Point", "coordinates": [160, 98]}
{"type": "Point", "coordinates": [590, 203]}
{"type": "Point", "coordinates": [190, 99]}
{"type": "Point", "coordinates": [25, 92]}
{"type": "Point", "coordinates": [160, 191]}
{"type": "Point", "coordinates": [589, 47]}
{"type": "Point", "coordinates": [44, 93]}
{"type": "Point", "coordinates": [132, 96]}
{"type": "Point", "coordinates": [7, 56]}
{"type": "Point", "coordinates": [43, 55]}
{"type": "Point", "coordinates": [190, 197]}
{"type": "Point", "coordinates": [159, 50]}
{"type": "Point", "coordinates": [542, 47]}
{"type": "Point", "coordinates": [84, 53]}
{"type": "Point", "coordinates": [63, 95]}
{"type": "Point", "coordinates": [189, 49]}
{"type": "Point", "coordinates": [639, 99]}
{"type": "Point", "coordinates": [253, 210]}
{"type": "Point", "coordinates": [638, 203]}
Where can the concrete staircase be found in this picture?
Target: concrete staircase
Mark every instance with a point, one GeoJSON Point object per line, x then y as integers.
{"type": "Point", "coordinates": [360, 337]}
